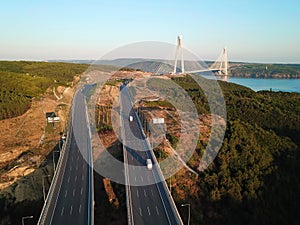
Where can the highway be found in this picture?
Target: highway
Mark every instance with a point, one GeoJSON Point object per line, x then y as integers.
{"type": "Point", "coordinates": [70, 198]}
{"type": "Point", "coordinates": [149, 201]}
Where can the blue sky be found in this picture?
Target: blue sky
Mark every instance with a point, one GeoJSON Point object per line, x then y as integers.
{"type": "Point", "coordinates": [260, 31]}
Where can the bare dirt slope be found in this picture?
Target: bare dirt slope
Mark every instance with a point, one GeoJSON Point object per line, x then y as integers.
{"type": "Point", "coordinates": [27, 139]}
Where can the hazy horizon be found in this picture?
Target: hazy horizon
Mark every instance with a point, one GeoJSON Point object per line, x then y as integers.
{"type": "Point", "coordinates": [206, 60]}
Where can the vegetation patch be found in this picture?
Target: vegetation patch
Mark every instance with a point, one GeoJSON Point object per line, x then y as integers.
{"type": "Point", "coordinates": [21, 81]}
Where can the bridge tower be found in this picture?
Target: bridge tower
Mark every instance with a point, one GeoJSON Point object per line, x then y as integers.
{"type": "Point", "coordinates": [224, 62]}
{"type": "Point", "coordinates": [221, 64]}
{"type": "Point", "coordinates": [179, 49]}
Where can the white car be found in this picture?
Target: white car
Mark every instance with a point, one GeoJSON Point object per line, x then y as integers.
{"type": "Point", "coordinates": [149, 164]}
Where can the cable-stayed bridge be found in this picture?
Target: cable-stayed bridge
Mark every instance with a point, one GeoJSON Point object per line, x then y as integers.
{"type": "Point", "coordinates": [185, 62]}
{"type": "Point", "coordinates": [220, 65]}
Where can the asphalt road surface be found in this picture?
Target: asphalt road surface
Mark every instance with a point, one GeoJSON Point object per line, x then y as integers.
{"type": "Point", "coordinates": [71, 199]}
{"type": "Point", "coordinates": [150, 201]}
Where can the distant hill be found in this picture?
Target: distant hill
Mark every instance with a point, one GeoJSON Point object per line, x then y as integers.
{"type": "Point", "coordinates": [256, 70]}
{"type": "Point", "coordinates": [236, 69]}
{"type": "Point", "coordinates": [121, 62]}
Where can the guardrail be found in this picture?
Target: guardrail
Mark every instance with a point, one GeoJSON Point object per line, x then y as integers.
{"type": "Point", "coordinates": [91, 170]}
{"type": "Point", "coordinates": [56, 172]}
{"type": "Point", "coordinates": [163, 182]}
{"type": "Point", "coordinates": [127, 186]}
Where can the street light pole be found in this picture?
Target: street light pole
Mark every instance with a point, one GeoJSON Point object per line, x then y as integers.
{"type": "Point", "coordinates": [43, 183]}
{"type": "Point", "coordinates": [26, 217]}
{"type": "Point", "coordinates": [59, 142]}
{"type": "Point", "coordinates": [171, 184]}
{"type": "Point", "coordinates": [189, 205]}
{"type": "Point", "coordinates": [54, 160]}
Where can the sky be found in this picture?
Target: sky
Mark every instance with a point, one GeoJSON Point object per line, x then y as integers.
{"type": "Point", "coordinates": [252, 31]}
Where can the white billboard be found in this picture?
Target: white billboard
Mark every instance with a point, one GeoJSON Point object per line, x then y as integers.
{"type": "Point", "coordinates": [158, 120]}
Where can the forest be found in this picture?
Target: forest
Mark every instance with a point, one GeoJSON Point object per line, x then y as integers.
{"type": "Point", "coordinates": [255, 177]}
{"type": "Point", "coordinates": [20, 81]}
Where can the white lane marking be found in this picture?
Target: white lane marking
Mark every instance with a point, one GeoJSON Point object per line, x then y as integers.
{"type": "Point", "coordinates": [152, 193]}
{"type": "Point", "coordinates": [140, 211]}
{"type": "Point", "coordinates": [81, 191]}
{"type": "Point", "coordinates": [145, 193]}
{"type": "Point", "coordinates": [82, 177]}
{"type": "Point", "coordinates": [69, 179]}
{"type": "Point", "coordinates": [70, 168]}
{"type": "Point", "coordinates": [137, 193]}
{"type": "Point", "coordinates": [75, 178]}
{"type": "Point", "coordinates": [142, 178]}
{"type": "Point", "coordinates": [62, 211]}
{"type": "Point", "coordinates": [71, 210]}
{"type": "Point", "coordinates": [66, 193]}
{"type": "Point", "coordinates": [79, 209]}
{"type": "Point", "coordinates": [148, 210]}
{"type": "Point", "coordinates": [135, 179]}
{"type": "Point", "coordinates": [74, 190]}
{"type": "Point", "coordinates": [157, 210]}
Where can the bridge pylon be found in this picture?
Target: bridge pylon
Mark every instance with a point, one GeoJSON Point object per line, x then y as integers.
{"type": "Point", "coordinates": [224, 62]}
{"type": "Point", "coordinates": [179, 49]}
{"type": "Point", "coordinates": [221, 64]}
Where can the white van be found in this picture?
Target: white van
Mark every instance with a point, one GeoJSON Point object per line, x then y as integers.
{"type": "Point", "coordinates": [149, 164]}
{"type": "Point", "coordinates": [130, 118]}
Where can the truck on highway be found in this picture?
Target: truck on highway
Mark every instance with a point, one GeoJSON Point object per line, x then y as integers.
{"type": "Point", "coordinates": [149, 164]}
{"type": "Point", "coordinates": [130, 118]}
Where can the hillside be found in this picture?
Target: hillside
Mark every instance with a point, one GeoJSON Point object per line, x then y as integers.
{"type": "Point", "coordinates": [253, 179]}
{"type": "Point", "coordinates": [27, 142]}
{"type": "Point", "coordinates": [255, 170]}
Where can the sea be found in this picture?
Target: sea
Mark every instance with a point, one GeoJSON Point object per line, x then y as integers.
{"type": "Point", "coordinates": [258, 84]}
{"type": "Point", "coordinates": [274, 84]}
